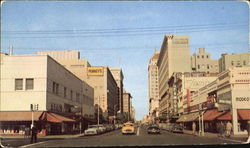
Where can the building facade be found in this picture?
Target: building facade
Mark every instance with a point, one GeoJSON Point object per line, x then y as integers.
{"type": "Point", "coordinates": [118, 76]}
{"type": "Point", "coordinates": [234, 60]}
{"type": "Point", "coordinates": [127, 99]}
{"type": "Point", "coordinates": [40, 80]}
{"type": "Point", "coordinates": [153, 86]}
{"type": "Point", "coordinates": [174, 57]}
{"type": "Point", "coordinates": [202, 62]}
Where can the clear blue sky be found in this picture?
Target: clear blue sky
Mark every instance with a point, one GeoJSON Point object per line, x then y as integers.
{"type": "Point", "coordinates": [124, 34]}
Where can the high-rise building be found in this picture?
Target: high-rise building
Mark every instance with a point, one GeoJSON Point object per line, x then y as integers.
{"type": "Point", "coordinates": [127, 104]}
{"type": "Point", "coordinates": [118, 76]}
{"type": "Point", "coordinates": [202, 62]}
{"type": "Point", "coordinates": [234, 60]}
{"type": "Point", "coordinates": [153, 86]}
{"type": "Point", "coordinates": [174, 57]}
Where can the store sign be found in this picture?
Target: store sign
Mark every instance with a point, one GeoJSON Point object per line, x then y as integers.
{"type": "Point", "coordinates": [242, 98]}
{"type": "Point", "coordinates": [95, 71]}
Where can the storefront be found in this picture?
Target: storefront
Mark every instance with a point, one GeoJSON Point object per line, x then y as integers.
{"type": "Point", "coordinates": [14, 123]}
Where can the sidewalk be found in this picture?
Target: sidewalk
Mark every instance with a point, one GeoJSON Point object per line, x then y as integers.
{"type": "Point", "coordinates": [46, 137]}
{"type": "Point", "coordinates": [240, 138]}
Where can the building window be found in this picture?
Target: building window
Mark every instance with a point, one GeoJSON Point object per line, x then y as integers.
{"type": "Point", "coordinates": [77, 97]}
{"type": "Point", "coordinates": [238, 63]}
{"type": "Point", "coordinates": [71, 95]}
{"type": "Point", "coordinates": [232, 63]}
{"type": "Point", "coordinates": [197, 57]}
{"type": "Point", "coordinates": [29, 84]}
{"type": "Point", "coordinates": [64, 92]}
{"type": "Point", "coordinates": [207, 66]}
{"type": "Point", "coordinates": [198, 66]}
{"type": "Point", "coordinates": [55, 87]}
{"type": "Point", "coordinates": [202, 57]}
{"type": "Point", "coordinates": [207, 56]}
{"type": "Point", "coordinates": [18, 84]}
{"type": "Point", "coordinates": [244, 62]}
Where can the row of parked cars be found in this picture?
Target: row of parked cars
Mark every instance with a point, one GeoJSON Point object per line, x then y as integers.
{"type": "Point", "coordinates": [101, 128]}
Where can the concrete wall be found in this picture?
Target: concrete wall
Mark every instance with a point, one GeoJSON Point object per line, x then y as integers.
{"type": "Point", "coordinates": [23, 67]}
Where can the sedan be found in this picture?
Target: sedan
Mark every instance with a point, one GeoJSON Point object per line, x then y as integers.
{"type": "Point", "coordinates": [153, 130]}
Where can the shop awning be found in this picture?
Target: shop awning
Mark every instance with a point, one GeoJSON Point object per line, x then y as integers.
{"type": "Point", "coordinates": [55, 118]}
{"type": "Point", "coordinates": [188, 117]}
{"type": "Point", "coordinates": [243, 114]}
{"type": "Point", "coordinates": [19, 115]}
{"type": "Point", "coordinates": [212, 114]}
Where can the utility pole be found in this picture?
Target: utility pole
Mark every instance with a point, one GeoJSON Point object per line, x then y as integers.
{"type": "Point", "coordinates": [98, 110]}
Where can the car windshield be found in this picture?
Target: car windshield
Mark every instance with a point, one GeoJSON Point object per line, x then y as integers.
{"type": "Point", "coordinates": [128, 125]}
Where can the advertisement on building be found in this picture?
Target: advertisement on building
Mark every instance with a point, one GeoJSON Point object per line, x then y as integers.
{"type": "Point", "coordinates": [95, 71]}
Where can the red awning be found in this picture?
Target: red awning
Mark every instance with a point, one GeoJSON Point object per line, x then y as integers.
{"type": "Point", "coordinates": [243, 114]}
{"type": "Point", "coordinates": [53, 117]}
{"type": "Point", "coordinates": [19, 115]}
{"type": "Point", "coordinates": [212, 114]}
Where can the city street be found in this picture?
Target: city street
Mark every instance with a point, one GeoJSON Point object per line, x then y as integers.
{"type": "Point", "coordinates": [141, 138]}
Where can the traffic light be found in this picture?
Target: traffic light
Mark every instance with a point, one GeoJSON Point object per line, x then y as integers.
{"type": "Point", "coordinates": [31, 107]}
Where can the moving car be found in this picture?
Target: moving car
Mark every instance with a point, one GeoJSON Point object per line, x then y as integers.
{"type": "Point", "coordinates": [128, 128]}
{"type": "Point", "coordinates": [92, 130]}
{"type": "Point", "coordinates": [153, 129]}
{"type": "Point", "coordinates": [176, 128]}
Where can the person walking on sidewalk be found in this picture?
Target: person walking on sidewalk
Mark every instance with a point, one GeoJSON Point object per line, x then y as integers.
{"type": "Point", "coordinates": [221, 129]}
{"type": "Point", "coordinates": [194, 128]}
{"type": "Point", "coordinates": [33, 134]}
{"type": "Point", "coordinates": [228, 129]}
{"type": "Point", "coordinates": [26, 132]}
{"type": "Point", "coordinates": [248, 131]}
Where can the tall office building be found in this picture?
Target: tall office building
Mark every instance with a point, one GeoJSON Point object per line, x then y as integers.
{"type": "Point", "coordinates": [153, 86]}
{"type": "Point", "coordinates": [118, 76]}
{"type": "Point", "coordinates": [174, 57]}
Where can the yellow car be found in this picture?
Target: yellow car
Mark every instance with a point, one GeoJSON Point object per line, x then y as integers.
{"type": "Point", "coordinates": [128, 128]}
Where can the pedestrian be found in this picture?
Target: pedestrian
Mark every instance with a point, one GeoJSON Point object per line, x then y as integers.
{"type": "Point", "coordinates": [228, 129]}
{"type": "Point", "coordinates": [221, 129]}
{"type": "Point", "coordinates": [26, 132]}
{"type": "Point", "coordinates": [33, 134]}
{"type": "Point", "coordinates": [194, 128]}
{"type": "Point", "coordinates": [248, 131]}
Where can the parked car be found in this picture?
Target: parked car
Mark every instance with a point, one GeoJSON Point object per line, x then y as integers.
{"type": "Point", "coordinates": [153, 129]}
{"type": "Point", "coordinates": [92, 130]}
{"type": "Point", "coordinates": [128, 128]}
{"type": "Point", "coordinates": [177, 128]}
{"type": "Point", "coordinates": [102, 128]}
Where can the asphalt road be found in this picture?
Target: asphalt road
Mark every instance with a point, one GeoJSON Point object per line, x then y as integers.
{"type": "Point", "coordinates": [141, 138]}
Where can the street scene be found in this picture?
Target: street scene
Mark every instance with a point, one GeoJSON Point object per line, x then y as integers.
{"type": "Point", "coordinates": [133, 73]}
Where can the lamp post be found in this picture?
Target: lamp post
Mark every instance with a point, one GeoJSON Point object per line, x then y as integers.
{"type": "Point", "coordinates": [98, 110]}
{"type": "Point", "coordinates": [115, 106]}
{"type": "Point", "coordinates": [33, 107]}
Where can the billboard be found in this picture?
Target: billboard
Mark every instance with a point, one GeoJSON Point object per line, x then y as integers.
{"type": "Point", "coordinates": [95, 71]}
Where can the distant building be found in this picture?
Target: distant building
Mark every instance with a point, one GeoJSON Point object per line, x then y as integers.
{"type": "Point", "coordinates": [202, 62]}
{"type": "Point", "coordinates": [153, 86]}
{"type": "Point", "coordinates": [61, 54]}
{"type": "Point", "coordinates": [234, 60]}
{"type": "Point", "coordinates": [127, 104]}
{"type": "Point", "coordinates": [118, 76]}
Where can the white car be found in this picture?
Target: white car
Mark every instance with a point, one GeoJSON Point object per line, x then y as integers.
{"type": "Point", "coordinates": [92, 130]}
{"type": "Point", "coordinates": [102, 128]}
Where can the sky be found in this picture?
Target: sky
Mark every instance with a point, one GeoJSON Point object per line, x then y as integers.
{"type": "Point", "coordinates": [124, 34]}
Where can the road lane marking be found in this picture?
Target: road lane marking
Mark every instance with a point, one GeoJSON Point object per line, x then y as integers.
{"type": "Point", "coordinates": [138, 131]}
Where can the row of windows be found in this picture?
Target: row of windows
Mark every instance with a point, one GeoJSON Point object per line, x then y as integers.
{"type": "Point", "coordinates": [55, 90]}
{"type": "Point", "coordinates": [202, 56]}
{"type": "Point", "coordinates": [238, 63]}
{"type": "Point", "coordinates": [203, 66]}
{"type": "Point", "coordinates": [29, 84]}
